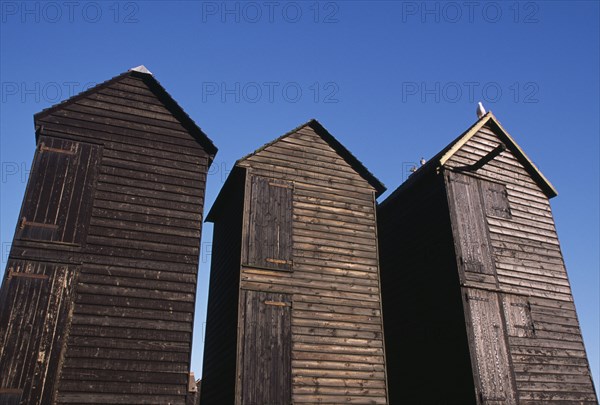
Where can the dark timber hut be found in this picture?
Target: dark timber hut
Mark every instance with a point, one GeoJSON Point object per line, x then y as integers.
{"type": "Point", "coordinates": [97, 302]}
{"type": "Point", "coordinates": [478, 307]}
{"type": "Point", "coordinates": [294, 311]}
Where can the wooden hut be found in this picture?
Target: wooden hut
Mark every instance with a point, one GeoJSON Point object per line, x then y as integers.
{"type": "Point", "coordinates": [97, 302]}
{"type": "Point", "coordinates": [294, 311]}
{"type": "Point", "coordinates": [477, 303]}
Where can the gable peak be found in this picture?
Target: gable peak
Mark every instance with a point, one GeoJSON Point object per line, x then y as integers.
{"type": "Point", "coordinates": [141, 69]}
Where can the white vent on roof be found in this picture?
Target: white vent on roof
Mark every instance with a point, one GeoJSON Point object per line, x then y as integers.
{"type": "Point", "coordinates": [141, 69]}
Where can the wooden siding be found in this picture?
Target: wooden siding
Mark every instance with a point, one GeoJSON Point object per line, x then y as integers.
{"type": "Point", "coordinates": [336, 325]}
{"type": "Point", "coordinates": [131, 328]}
{"type": "Point", "coordinates": [530, 269]}
{"type": "Point", "coordinates": [425, 331]}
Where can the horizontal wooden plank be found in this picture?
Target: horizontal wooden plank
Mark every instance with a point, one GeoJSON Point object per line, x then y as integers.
{"type": "Point", "coordinates": [126, 354]}
{"type": "Point", "coordinates": [122, 388]}
{"type": "Point", "coordinates": [130, 377]}
{"type": "Point", "coordinates": [144, 302]}
{"type": "Point", "coordinates": [118, 322]}
{"type": "Point", "coordinates": [131, 344]}
{"type": "Point", "coordinates": [315, 323]}
{"type": "Point", "coordinates": [292, 289]}
{"type": "Point", "coordinates": [112, 104]}
{"type": "Point", "coordinates": [129, 333]}
{"type": "Point", "coordinates": [338, 399]}
{"type": "Point", "coordinates": [123, 227]}
{"type": "Point", "coordinates": [298, 364]}
{"type": "Point", "coordinates": [324, 373]}
{"type": "Point", "coordinates": [135, 313]}
{"type": "Point", "coordinates": [187, 186]}
{"type": "Point", "coordinates": [84, 288]}
{"type": "Point", "coordinates": [126, 365]}
{"type": "Point", "coordinates": [341, 349]}
{"type": "Point", "coordinates": [87, 398]}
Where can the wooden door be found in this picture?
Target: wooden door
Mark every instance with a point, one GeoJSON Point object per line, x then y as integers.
{"type": "Point", "coordinates": [469, 224]}
{"type": "Point", "coordinates": [489, 349]}
{"type": "Point", "coordinates": [59, 193]}
{"type": "Point", "coordinates": [469, 199]}
{"type": "Point", "coordinates": [35, 301]}
{"type": "Point", "coordinates": [266, 358]}
{"type": "Point", "coordinates": [270, 224]}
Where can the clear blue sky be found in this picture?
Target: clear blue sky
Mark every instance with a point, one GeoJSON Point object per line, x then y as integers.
{"type": "Point", "coordinates": [393, 81]}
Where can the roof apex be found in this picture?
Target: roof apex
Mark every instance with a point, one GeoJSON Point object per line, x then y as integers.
{"type": "Point", "coordinates": [490, 119]}
{"type": "Point", "coordinates": [161, 93]}
{"type": "Point", "coordinates": [440, 159]}
{"type": "Point", "coordinates": [141, 69]}
{"type": "Point", "coordinates": [320, 130]}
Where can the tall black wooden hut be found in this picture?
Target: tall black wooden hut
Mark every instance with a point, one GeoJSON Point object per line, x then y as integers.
{"type": "Point", "coordinates": [294, 311]}
{"type": "Point", "coordinates": [478, 306]}
{"type": "Point", "coordinates": [97, 302]}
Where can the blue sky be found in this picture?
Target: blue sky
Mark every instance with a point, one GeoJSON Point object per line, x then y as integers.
{"type": "Point", "coordinates": [393, 81]}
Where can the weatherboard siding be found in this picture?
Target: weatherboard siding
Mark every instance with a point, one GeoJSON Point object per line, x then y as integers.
{"type": "Point", "coordinates": [308, 294]}
{"type": "Point", "coordinates": [504, 276]}
{"type": "Point", "coordinates": [130, 333]}
{"type": "Point", "coordinates": [549, 362]}
{"type": "Point", "coordinates": [336, 325]}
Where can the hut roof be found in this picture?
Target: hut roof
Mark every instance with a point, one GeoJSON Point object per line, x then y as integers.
{"type": "Point", "coordinates": [148, 78]}
{"type": "Point", "coordinates": [490, 121]}
{"type": "Point", "coordinates": [327, 137]}
{"type": "Point", "coordinates": [336, 145]}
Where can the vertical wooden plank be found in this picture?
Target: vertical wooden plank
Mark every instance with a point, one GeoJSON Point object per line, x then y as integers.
{"type": "Point", "coordinates": [77, 209]}
{"type": "Point", "coordinates": [285, 342]}
{"type": "Point", "coordinates": [266, 377]}
{"type": "Point", "coordinates": [22, 334]}
{"type": "Point", "coordinates": [66, 163]}
{"type": "Point", "coordinates": [490, 356]}
{"type": "Point", "coordinates": [469, 226]}
{"type": "Point", "coordinates": [270, 224]}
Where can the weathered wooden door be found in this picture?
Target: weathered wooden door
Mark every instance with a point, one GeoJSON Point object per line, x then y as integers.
{"type": "Point", "coordinates": [270, 224]}
{"type": "Point", "coordinates": [34, 310]}
{"type": "Point", "coordinates": [469, 200]}
{"type": "Point", "coordinates": [266, 358]}
{"type": "Point", "coordinates": [489, 349]}
{"type": "Point", "coordinates": [469, 225]}
{"type": "Point", "coordinates": [58, 196]}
